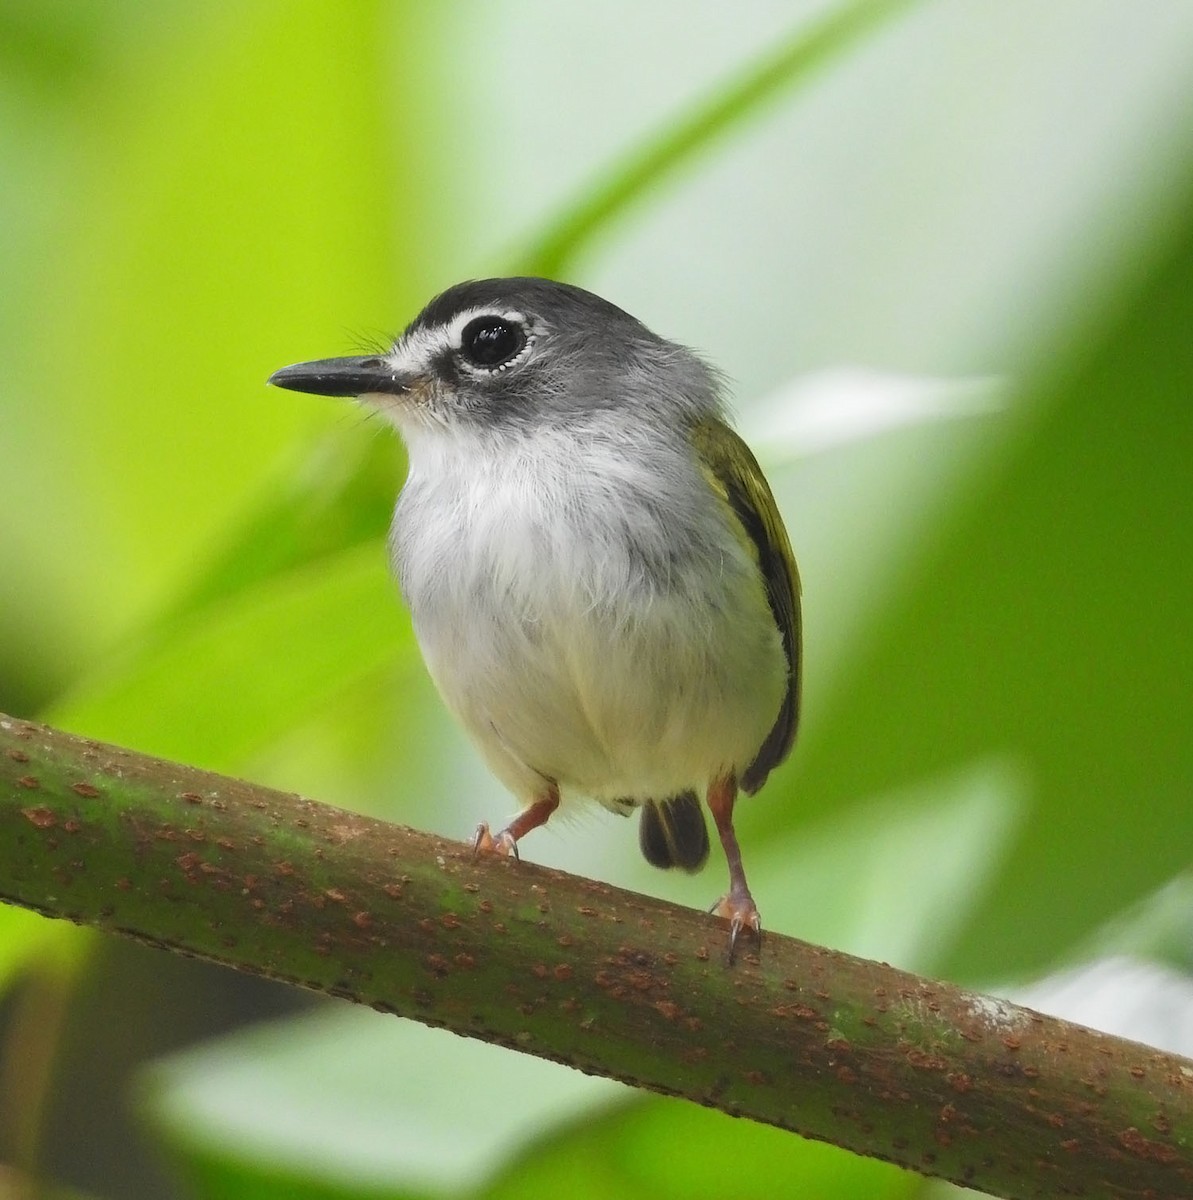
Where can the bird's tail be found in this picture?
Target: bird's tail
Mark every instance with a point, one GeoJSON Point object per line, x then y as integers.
{"type": "Point", "coordinates": [672, 832]}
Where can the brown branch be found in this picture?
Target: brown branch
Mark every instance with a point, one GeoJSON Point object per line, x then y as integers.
{"type": "Point", "coordinates": [923, 1074]}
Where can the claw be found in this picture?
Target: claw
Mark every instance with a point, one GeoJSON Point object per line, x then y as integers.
{"type": "Point", "coordinates": [504, 845]}
{"type": "Point", "coordinates": [742, 914]}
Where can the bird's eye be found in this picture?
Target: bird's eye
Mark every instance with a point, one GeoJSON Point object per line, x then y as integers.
{"type": "Point", "coordinates": [490, 342]}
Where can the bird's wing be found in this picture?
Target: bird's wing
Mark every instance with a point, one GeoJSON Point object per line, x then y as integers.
{"type": "Point", "coordinates": [734, 473]}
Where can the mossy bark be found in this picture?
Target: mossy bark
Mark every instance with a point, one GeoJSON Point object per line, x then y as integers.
{"type": "Point", "coordinates": [935, 1078]}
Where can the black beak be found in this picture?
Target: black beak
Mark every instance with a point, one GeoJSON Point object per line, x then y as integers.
{"type": "Point", "coordinates": [341, 377]}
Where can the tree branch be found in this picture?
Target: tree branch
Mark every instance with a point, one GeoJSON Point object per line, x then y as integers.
{"type": "Point", "coordinates": [923, 1074]}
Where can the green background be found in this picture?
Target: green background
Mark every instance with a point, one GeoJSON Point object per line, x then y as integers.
{"type": "Point", "coordinates": [945, 254]}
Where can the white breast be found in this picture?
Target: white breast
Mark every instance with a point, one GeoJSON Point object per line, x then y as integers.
{"type": "Point", "coordinates": [588, 619]}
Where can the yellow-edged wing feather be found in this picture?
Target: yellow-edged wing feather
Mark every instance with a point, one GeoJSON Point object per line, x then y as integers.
{"type": "Point", "coordinates": [734, 473]}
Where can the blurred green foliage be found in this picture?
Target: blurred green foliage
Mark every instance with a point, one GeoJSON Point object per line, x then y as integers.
{"type": "Point", "coordinates": [996, 760]}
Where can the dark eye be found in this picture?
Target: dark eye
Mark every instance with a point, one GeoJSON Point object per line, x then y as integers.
{"type": "Point", "coordinates": [491, 342]}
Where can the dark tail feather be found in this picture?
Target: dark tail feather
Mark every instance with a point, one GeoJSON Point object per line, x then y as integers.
{"type": "Point", "coordinates": [672, 832]}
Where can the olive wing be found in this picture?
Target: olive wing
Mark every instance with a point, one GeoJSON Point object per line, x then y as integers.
{"type": "Point", "coordinates": [735, 475]}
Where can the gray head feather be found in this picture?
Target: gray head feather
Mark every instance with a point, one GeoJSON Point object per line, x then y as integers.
{"type": "Point", "coordinates": [585, 356]}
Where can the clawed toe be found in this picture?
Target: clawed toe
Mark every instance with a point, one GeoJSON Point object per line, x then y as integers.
{"type": "Point", "coordinates": [741, 912]}
{"type": "Point", "coordinates": [504, 845]}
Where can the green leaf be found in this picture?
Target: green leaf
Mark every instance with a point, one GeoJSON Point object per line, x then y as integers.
{"type": "Point", "coordinates": [815, 44]}
{"type": "Point", "coordinates": [338, 493]}
{"type": "Point", "coordinates": [239, 673]}
{"type": "Point", "coordinates": [1159, 929]}
{"type": "Point", "coordinates": [210, 1173]}
{"type": "Point", "coordinates": [26, 937]}
{"type": "Point", "coordinates": [233, 222]}
{"type": "Point", "coordinates": [898, 877]}
{"type": "Point", "coordinates": [1048, 622]}
{"type": "Point", "coordinates": [345, 1103]}
{"type": "Point", "coordinates": [357, 1102]}
{"type": "Point", "coordinates": [666, 1148]}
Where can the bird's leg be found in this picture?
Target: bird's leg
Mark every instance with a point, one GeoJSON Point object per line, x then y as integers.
{"type": "Point", "coordinates": [505, 843]}
{"type": "Point", "coordinates": [737, 905]}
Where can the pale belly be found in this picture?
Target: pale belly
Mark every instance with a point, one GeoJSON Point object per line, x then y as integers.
{"type": "Point", "coordinates": [568, 659]}
{"type": "Point", "coordinates": [630, 709]}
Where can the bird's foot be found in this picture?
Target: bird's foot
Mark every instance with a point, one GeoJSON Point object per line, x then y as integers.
{"type": "Point", "coordinates": [502, 844]}
{"type": "Point", "coordinates": [738, 908]}
{"type": "Point", "coordinates": [505, 843]}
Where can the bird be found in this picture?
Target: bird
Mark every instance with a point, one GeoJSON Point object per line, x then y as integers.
{"type": "Point", "coordinates": [598, 576]}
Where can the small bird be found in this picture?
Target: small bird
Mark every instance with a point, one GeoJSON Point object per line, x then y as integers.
{"type": "Point", "coordinates": [598, 576]}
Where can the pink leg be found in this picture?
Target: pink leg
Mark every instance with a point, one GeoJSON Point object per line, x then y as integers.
{"type": "Point", "coordinates": [737, 905]}
{"type": "Point", "coordinates": [505, 843]}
